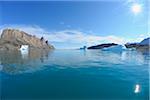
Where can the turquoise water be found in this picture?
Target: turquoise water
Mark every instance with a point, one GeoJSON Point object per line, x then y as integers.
{"type": "Point", "coordinates": [74, 74]}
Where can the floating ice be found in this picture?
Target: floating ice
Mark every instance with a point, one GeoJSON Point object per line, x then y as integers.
{"type": "Point", "coordinates": [115, 48]}
{"type": "Point", "coordinates": [24, 50]}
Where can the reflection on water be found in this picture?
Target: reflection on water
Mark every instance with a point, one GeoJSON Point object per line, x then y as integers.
{"type": "Point", "coordinates": [133, 56]}
{"type": "Point", "coordinates": [16, 62]}
{"type": "Point", "coordinates": [1, 67]}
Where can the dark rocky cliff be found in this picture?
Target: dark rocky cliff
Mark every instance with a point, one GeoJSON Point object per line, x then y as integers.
{"type": "Point", "coordinates": [101, 46]}
{"type": "Point", "coordinates": [143, 46]}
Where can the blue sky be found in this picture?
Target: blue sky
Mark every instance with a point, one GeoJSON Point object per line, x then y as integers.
{"type": "Point", "coordinates": [72, 24]}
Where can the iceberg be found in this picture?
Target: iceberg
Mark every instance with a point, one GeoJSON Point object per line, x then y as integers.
{"type": "Point", "coordinates": [114, 48]}
{"type": "Point", "coordinates": [83, 48]}
{"type": "Point", "coordinates": [24, 50]}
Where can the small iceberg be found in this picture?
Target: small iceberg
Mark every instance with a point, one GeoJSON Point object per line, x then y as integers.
{"type": "Point", "coordinates": [24, 50]}
{"type": "Point", "coordinates": [114, 48]}
{"type": "Point", "coordinates": [83, 48]}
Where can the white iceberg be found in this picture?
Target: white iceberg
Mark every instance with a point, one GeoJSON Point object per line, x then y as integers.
{"type": "Point", "coordinates": [24, 51]}
{"type": "Point", "coordinates": [115, 48]}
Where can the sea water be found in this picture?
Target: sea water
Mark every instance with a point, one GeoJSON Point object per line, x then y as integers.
{"type": "Point", "coordinates": [74, 74]}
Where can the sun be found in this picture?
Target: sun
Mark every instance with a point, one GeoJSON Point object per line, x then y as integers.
{"type": "Point", "coordinates": [136, 8]}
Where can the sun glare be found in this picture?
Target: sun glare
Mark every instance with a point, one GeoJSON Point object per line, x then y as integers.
{"type": "Point", "coordinates": [136, 8]}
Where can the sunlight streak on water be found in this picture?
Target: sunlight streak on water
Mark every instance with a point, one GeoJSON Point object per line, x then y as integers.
{"type": "Point", "coordinates": [137, 88]}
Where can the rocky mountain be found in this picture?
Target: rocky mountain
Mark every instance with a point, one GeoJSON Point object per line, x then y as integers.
{"type": "Point", "coordinates": [12, 39]}
{"type": "Point", "coordinates": [143, 46]}
{"type": "Point", "coordinates": [101, 46]}
{"type": "Point", "coordinates": [145, 41]}
{"type": "Point", "coordinates": [131, 45]}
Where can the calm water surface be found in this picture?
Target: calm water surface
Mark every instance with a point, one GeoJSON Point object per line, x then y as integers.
{"type": "Point", "coordinates": [74, 74]}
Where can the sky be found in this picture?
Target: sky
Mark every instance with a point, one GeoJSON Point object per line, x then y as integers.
{"type": "Point", "coordinates": [73, 24]}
